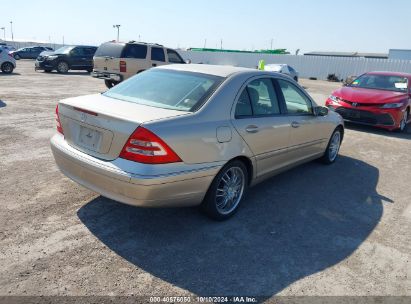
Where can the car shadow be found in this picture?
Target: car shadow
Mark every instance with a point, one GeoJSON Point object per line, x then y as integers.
{"type": "Point", "coordinates": [8, 75]}
{"type": "Point", "coordinates": [379, 131]}
{"type": "Point", "coordinates": [289, 227]}
{"type": "Point", "coordinates": [2, 104]}
{"type": "Point", "coordinates": [69, 73]}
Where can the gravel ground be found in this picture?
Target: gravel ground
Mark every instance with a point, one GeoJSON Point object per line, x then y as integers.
{"type": "Point", "coordinates": [315, 230]}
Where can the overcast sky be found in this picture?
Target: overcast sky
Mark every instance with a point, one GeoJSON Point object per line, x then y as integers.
{"type": "Point", "coordinates": [316, 25]}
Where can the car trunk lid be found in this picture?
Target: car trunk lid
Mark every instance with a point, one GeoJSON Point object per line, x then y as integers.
{"type": "Point", "coordinates": [100, 125]}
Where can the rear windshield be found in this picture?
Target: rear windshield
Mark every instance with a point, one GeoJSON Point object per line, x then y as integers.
{"type": "Point", "coordinates": [110, 49]}
{"type": "Point", "coordinates": [168, 89]}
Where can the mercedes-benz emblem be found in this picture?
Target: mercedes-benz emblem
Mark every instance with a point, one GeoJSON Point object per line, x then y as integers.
{"type": "Point", "coordinates": [354, 104]}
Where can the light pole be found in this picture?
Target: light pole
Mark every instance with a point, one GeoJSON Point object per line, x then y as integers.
{"type": "Point", "coordinates": [118, 31]}
{"type": "Point", "coordinates": [4, 32]}
{"type": "Point", "coordinates": [11, 28]}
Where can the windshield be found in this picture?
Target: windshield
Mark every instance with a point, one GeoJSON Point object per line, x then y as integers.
{"type": "Point", "coordinates": [168, 89]}
{"type": "Point", "coordinates": [64, 50]}
{"type": "Point", "coordinates": [381, 82]}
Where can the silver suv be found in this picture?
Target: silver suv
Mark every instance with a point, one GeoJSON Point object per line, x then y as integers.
{"type": "Point", "coordinates": [7, 62]}
{"type": "Point", "coordinates": [117, 61]}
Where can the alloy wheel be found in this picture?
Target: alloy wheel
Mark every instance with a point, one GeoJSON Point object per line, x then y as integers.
{"type": "Point", "coordinates": [334, 146]}
{"type": "Point", "coordinates": [62, 67]}
{"type": "Point", "coordinates": [230, 190]}
{"type": "Point", "coordinates": [7, 67]}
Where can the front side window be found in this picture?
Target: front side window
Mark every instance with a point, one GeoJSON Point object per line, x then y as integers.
{"type": "Point", "coordinates": [174, 57]}
{"type": "Point", "coordinates": [176, 90]}
{"type": "Point", "coordinates": [77, 52]}
{"type": "Point", "coordinates": [295, 100]}
{"type": "Point", "coordinates": [137, 51]}
{"type": "Point", "coordinates": [157, 54]}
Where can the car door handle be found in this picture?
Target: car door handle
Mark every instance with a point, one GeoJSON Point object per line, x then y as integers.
{"type": "Point", "coordinates": [251, 129]}
{"type": "Point", "coordinates": [154, 65]}
{"type": "Point", "coordinates": [295, 124]}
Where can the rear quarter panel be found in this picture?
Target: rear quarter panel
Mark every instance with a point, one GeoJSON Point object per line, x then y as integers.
{"type": "Point", "coordinates": [194, 136]}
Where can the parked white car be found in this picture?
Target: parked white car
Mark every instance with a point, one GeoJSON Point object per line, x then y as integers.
{"type": "Point", "coordinates": [7, 62]}
{"type": "Point", "coordinates": [283, 69]}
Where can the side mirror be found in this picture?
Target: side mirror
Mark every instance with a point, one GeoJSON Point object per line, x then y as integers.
{"type": "Point", "coordinates": [321, 111]}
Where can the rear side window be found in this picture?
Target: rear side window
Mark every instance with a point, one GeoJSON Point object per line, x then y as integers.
{"type": "Point", "coordinates": [138, 51]}
{"type": "Point", "coordinates": [174, 57]}
{"type": "Point", "coordinates": [157, 54]}
{"type": "Point", "coordinates": [243, 107]}
{"type": "Point", "coordinates": [89, 51]}
{"type": "Point", "coordinates": [259, 98]}
{"type": "Point", "coordinates": [263, 97]}
{"type": "Point", "coordinates": [110, 49]}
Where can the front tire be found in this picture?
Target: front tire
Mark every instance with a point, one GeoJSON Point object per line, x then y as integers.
{"type": "Point", "coordinates": [17, 57]}
{"type": "Point", "coordinates": [110, 83]}
{"type": "Point", "coordinates": [7, 68]}
{"type": "Point", "coordinates": [333, 147]}
{"type": "Point", "coordinates": [404, 120]}
{"type": "Point", "coordinates": [62, 67]}
{"type": "Point", "coordinates": [226, 191]}
{"type": "Point", "coordinates": [47, 71]}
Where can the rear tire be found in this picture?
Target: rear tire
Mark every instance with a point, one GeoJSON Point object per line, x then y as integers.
{"type": "Point", "coordinates": [47, 71]}
{"type": "Point", "coordinates": [89, 70]}
{"type": "Point", "coordinates": [7, 68]}
{"type": "Point", "coordinates": [333, 147]}
{"type": "Point", "coordinates": [226, 191]}
{"type": "Point", "coordinates": [62, 67]}
{"type": "Point", "coordinates": [110, 83]}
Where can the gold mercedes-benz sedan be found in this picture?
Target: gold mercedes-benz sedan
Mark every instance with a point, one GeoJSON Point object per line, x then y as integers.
{"type": "Point", "coordinates": [183, 135]}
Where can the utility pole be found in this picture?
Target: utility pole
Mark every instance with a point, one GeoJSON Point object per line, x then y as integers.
{"type": "Point", "coordinates": [4, 32]}
{"type": "Point", "coordinates": [272, 40]}
{"type": "Point", "coordinates": [221, 44]}
{"type": "Point", "coordinates": [11, 27]}
{"type": "Point", "coordinates": [118, 31]}
{"type": "Point", "coordinates": [63, 40]}
{"type": "Point", "coordinates": [205, 43]}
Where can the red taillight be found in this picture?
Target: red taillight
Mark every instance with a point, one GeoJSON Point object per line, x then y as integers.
{"type": "Point", "coordinates": [58, 122]}
{"type": "Point", "coordinates": [123, 66]}
{"type": "Point", "coordinates": [143, 146]}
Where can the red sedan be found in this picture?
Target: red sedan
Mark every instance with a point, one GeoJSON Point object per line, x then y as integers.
{"type": "Point", "coordinates": [381, 99]}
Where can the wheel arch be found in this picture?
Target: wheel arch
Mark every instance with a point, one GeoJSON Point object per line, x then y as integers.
{"type": "Point", "coordinates": [248, 164]}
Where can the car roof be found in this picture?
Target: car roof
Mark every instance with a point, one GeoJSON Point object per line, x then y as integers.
{"type": "Point", "coordinates": [400, 74]}
{"type": "Point", "coordinates": [216, 70]}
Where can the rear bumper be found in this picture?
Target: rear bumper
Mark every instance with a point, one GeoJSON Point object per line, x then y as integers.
{"type": "Point", "coordinates": [114, 179]}
{"type": "Point", "coordinates": [384, 118]}
{"type": "Point", "coordinates": [107, 76]}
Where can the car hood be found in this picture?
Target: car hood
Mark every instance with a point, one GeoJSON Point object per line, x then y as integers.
{"type": "Point", "coordinates": [370, 96]}
{"type": "Point", "coordinates": [47, 53]}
